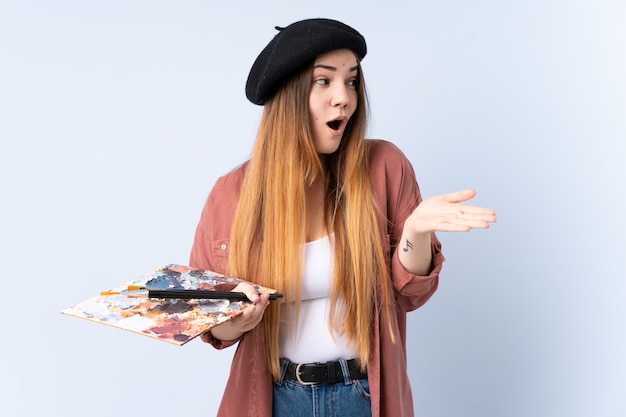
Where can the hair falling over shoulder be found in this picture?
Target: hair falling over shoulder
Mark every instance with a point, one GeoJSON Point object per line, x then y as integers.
{"type": "Point", "coordinates": [269, 228]}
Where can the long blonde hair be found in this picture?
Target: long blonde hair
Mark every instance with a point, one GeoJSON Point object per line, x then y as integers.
{"type": "Point", "coordinates": [269, 227]}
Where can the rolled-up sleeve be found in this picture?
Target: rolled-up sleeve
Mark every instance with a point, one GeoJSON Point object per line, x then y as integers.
{"type": "Point", "coordinates": [212, 237]}
{"type": "Point", "coordinates": [398, 194]}
{"type": "Point", "coordinates": [414, 290]}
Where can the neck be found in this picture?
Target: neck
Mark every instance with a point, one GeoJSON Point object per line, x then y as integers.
{"type": "Point", "coordinates": [315, 213]}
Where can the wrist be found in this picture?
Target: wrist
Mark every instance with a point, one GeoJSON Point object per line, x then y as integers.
{"type": "Point", "coordinates": [415, 252]}
{"type": "Point", "coordinates": [226, 331]}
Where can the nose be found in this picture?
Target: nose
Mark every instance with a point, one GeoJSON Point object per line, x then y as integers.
{"type": "Point", "coordinates": [340, 96]}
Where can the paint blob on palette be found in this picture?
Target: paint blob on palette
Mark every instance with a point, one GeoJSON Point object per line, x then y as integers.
{"type": "Point", "coordinates": [175, 321]}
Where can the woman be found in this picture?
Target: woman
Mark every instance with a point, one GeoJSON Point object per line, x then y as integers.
{"type": "Point", "coordinates": [336, 223]}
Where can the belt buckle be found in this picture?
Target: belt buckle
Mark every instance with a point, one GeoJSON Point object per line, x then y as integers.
{"type": "Point", "coordinates": [298, 378]}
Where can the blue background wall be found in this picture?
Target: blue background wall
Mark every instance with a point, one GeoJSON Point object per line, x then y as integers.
{"type": "Point", "coordinates": [117, 117]}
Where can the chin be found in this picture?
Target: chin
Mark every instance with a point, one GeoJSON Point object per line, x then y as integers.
{"type": "Point", "coordinates": [327, 150]}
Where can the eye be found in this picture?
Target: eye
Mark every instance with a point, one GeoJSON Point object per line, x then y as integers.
{"type": "Point", "coordinates": [353, 83]}
{"type": "Point", "coordinates": [322, 81]}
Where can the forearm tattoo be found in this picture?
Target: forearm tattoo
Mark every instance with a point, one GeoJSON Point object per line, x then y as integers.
{"type": "Point", "coordinates": [408, 246]}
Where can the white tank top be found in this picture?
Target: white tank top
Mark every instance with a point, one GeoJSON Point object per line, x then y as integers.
{"type": "Point", "coordinates": [314, 341]}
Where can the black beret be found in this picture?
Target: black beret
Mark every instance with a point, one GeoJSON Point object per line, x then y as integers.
{"type": "Point", "coordinates": [294, 46]}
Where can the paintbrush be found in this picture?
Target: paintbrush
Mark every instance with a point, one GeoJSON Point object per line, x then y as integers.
{"type": "Point", "coordinates": [184, 294]}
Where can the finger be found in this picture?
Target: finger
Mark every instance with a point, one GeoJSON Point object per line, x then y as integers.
{"type": "Point", "coordinates": [460, 196]}
{"type": "Point", "coordinates": [258, 308]}
{"type": "Point", "coordinates": [466, 222]}
{"type": "Point", "coordinates": [481, 216]}
{"type": "Point", "coordinates": [476, 224]}
{"type": "Point", "coordinates": [264, 299]}
{"type": "Point", "coordinates": [477, 210]}
{"type": "Point", "coordinates": [249, 291]}
{"type": "Point", "coordinates": [250, 314]}
{"type": "Point", "coordinates": [255, 315]}
{"type": "Point", "coordinates": [452, 227]}
{"type": "Point", "coordinates": [461, 227]}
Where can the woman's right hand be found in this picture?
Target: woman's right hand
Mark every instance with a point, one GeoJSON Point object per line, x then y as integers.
{"type": "Point", "coordinates": [246, 321]}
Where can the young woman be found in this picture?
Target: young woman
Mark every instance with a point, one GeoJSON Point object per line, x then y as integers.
{"type": "Point", "coordinates": [336, 223]}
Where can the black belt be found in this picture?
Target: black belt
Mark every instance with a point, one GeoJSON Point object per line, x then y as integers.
{"type": "Point", "coordinates": [311, 373]}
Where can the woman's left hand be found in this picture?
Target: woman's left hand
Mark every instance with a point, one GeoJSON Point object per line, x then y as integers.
{"type": "Point", "coordinates": [444, 213]}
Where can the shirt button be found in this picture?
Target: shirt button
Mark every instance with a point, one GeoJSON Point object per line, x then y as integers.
{"type": "Point", "coordinates": [223, 246]}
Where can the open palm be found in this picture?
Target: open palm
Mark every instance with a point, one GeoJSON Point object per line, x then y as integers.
{"type": "Point", "coordinates": [444, 213]}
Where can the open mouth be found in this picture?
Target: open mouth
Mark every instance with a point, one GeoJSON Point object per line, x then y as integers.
{"type": "Point", "coordinates": [334, 124]}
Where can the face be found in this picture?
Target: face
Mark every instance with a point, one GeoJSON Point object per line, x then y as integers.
{"type": "Point", "coordinates": [333, 98]}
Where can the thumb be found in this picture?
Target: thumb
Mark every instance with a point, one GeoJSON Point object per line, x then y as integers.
{"type": "Point", "coordinates": [460, 196]}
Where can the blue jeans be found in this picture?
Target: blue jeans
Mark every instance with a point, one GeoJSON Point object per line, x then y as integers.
{"type": "Point", "coordinates": [342, 399]}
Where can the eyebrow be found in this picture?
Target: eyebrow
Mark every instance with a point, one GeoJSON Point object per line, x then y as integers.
{"type": "Point", "coordinates": [331, 68]}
